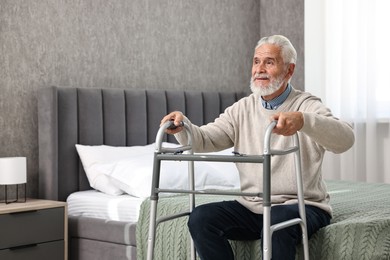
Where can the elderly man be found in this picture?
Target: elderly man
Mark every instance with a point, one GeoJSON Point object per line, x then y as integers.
{"type": "Point", "coordinates": [243, 125]}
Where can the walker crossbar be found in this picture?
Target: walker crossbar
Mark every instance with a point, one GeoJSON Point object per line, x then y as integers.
{"type": "Point", "coordinates": [212, 192]}
{"type": "Point", "coordinates": [176, 154]}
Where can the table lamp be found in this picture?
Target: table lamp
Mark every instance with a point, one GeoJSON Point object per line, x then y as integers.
{"type": "Point", "coordinates": [13, 171]}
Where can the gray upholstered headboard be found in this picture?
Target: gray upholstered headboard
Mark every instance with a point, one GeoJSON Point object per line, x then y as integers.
{"type": "Point", "coordinates": [118, 117]}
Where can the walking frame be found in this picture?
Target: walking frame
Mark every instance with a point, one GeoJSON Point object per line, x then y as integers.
{"type": "Point", "coordinates": [176, 154]}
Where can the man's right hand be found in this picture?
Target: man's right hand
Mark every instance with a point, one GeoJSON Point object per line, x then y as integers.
{"type": "Point", "coordinates": [177, 117]}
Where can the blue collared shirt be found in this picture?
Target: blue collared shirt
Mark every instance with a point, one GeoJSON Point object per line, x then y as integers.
{"type": "Point", "coordinates": [276, 102]}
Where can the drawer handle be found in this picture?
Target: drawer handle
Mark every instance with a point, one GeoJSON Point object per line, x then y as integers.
{"type": "Point", "coordinates": [23, 246]}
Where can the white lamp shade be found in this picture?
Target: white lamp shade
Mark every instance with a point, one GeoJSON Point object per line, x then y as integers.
{"type": "Point", "coordinates": [13, 170]}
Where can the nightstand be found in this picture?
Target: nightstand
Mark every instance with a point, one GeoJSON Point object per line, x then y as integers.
{"type": "Point", "coordinates": [36, 229]}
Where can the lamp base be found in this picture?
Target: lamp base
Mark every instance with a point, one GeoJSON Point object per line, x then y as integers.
{"type": "Point", "coordinates": [6, 201]}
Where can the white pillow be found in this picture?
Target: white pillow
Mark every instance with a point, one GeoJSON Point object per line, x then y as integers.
{"type": "Point", "coordinates": [93, 156]}
{"type": "Point", "coordinates": [134, 176]}
{"type": "Point", "coordinates": [130, 169]}
{"type": "Point", "coordinates": [96, 160]}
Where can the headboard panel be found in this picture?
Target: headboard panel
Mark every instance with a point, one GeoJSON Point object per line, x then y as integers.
{"type": "Point", "coordinates": [118, 117]}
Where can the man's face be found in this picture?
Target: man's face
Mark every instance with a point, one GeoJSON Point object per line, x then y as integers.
{"type": "Point", "coordinates": [269, 72]}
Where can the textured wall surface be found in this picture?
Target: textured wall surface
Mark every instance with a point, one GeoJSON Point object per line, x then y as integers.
{"type": "Point", "coordinates": [158, 44]}
{"type": "Point", "coordinates": [286, 17]}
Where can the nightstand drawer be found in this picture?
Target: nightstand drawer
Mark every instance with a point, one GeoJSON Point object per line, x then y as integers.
{"type": "Point", "coordinates": [44, 251]}
{"type": "Point", "coordinates": [31, 227]}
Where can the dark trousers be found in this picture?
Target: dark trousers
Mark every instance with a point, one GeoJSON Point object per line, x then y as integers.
{"type": "Point", "coordinates": [211, 225]}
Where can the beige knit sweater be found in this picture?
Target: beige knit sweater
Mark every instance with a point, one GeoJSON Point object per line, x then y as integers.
{"type": "Point", "coordinates": [243, 125]}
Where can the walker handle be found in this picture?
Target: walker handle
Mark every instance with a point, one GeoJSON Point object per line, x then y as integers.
{"type": "Point", "coordinates": [170, 125]}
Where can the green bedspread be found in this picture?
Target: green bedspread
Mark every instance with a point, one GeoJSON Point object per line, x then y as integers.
{"type": "Point", "coordinates": [360, 227]}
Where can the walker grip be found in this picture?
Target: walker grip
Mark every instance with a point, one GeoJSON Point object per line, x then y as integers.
{"type": "Point", "coordinates": [172, 126]}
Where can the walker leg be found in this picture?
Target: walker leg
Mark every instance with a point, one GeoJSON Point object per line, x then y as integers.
{"type": "Point", "coordinates": [267, 241]}
{"type": "Point", "coordinates": [305, 242]}
{"type": "Point", "coordinates": [152, 229]}
{"type": "Point", "coordinates": [191, 184]}
{"type": "Point", "coordinates": [153, 208]}
{"type": "Point", "coordinates": [301, 199]}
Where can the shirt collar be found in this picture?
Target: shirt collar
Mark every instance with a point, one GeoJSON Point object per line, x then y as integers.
{"type": "Point", "coordinates": [276, 102]}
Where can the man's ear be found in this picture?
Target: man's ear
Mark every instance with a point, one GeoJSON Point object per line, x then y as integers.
{"type": "Point", "coordinates": [290, 70]}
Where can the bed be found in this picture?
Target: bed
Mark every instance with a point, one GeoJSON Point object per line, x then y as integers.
{"type": "Point", "coordinates": [90, 117]}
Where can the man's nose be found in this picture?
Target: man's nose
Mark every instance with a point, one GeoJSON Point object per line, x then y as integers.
{"type": "Point", "coordinates": [260, 68]}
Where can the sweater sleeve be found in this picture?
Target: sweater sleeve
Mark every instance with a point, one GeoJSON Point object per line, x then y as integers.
{"type": "Point", "coordinates": [326, 130]}
{"type": "Point", "coordinates": [212, 137]}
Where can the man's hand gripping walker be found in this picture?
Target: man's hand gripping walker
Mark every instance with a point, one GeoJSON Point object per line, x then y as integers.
{"type": "Point", "coordinates": [176, 154]}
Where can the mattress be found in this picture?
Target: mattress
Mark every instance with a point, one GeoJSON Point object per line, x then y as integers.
{"type": "Point", "coordinates": [95, 204]}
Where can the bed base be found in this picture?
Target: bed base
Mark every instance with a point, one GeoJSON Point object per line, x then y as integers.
{"type": "Point", "coordinates": [176, 154]}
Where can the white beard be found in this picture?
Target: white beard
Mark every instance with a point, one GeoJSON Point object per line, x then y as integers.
{"type": "Point", "coordinates": [273, 86]}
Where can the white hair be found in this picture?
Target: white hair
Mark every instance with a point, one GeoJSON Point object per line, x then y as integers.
{"type": "Point", "coordinates": [288, 52]}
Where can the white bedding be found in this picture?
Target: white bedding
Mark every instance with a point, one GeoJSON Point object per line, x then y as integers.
{"type": "Point", "coordinates": [96, 204]}
{"type": "Point", "coordinates": [128, 169]}
{"type": "Point", "coordinates": [114, 170]}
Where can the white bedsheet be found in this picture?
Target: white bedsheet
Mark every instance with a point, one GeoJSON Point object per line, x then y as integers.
{"type": "Point", "coordinates": [96, 204]}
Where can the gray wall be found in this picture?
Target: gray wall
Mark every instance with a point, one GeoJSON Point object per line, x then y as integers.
{"type": "Point", "coordinates": [286, 17]}
{"type": "Point", "coordinates": [164, 44]}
